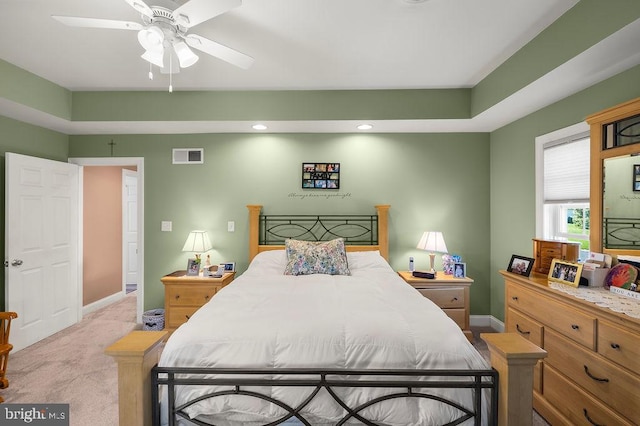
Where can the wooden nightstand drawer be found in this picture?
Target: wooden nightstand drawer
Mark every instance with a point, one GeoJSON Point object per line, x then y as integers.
{"type": "Point", "coordinates": [444, 297]}
{"type": "Point", "coordinates": [458, 315]}
{"type": "Point", "coordinates": [180, 315]}
{"type": "Point", "coordinates": [189, 296]}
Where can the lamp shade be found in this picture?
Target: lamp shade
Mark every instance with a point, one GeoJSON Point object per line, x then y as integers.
{"type": "Point", "coordinates": [197, 242]}
{"type": "Point", "coordinates": [185, 55]}
{"type": "Point", "coordinates": [151, 38]}
{"type": "Point", "coordinates": [432, 242]}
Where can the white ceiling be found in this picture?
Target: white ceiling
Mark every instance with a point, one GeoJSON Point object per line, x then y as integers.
{"type": "Point", "coordinates": [301, 44]}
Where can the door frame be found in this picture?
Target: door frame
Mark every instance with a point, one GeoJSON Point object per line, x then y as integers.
{"type": "Point", "coordinates": [125, 263]}
{"type": "Point", "coordinates": [138, 162]}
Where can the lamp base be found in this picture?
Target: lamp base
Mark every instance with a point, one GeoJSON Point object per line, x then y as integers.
{"type": "Point", "coordinates": [432, 258]}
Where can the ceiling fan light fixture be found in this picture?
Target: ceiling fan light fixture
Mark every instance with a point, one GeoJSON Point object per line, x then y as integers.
{"type": "Point", "coordinates": [185, 55]}
{"type": "Point", "coordinates": [156, 57]}
{"type": "Point", "coordinates": [151, 38]}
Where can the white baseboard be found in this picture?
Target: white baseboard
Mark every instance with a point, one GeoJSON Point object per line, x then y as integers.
{"type": "Point", "coordinates": [486, 321]}
{"type": "Point", "coordinates": [92, 307]}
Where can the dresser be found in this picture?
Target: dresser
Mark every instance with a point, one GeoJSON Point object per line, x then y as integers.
{"type": "Point", "coordinates": [591, 375]}
{"type": "Point", "coordinates": [183, 295]}
{"type": "Point", "coordinates": [449, 293]}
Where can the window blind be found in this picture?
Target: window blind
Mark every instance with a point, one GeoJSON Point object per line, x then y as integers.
{"type": "Point", "coordinates": [566, 171]}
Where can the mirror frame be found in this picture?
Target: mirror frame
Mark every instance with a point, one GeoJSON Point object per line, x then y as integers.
{"type": "Point", "coordinates": [597, 122]}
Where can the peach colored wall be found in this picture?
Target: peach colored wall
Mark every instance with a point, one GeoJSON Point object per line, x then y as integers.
{"type": "Point", "coordinates": [102, 255]}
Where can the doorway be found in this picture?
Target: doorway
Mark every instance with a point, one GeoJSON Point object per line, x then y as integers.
{"type": "Point", "coordinates": [138, 252]}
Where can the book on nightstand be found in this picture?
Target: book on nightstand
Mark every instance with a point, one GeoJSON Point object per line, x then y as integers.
{"type": "Point", "coordinates": [424, 274]}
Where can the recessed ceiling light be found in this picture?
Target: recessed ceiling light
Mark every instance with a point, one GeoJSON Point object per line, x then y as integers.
{"type": "Point", "coordinates": [259, 127]}
{"type": "Point", "coordinates": [365, 127]}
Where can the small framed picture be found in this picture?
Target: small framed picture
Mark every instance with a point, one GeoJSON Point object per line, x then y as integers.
{"type": "Point", "coordinates": [520, 265]}
{"type": "Point", "coordinates": [636, 177]}
{"type": "Point", "coordinates": [459, 270]}
{"type": "Point", "coordinates": [193, 267]}
{"type": "Point", "coordinates": [565, 272]}
{"type": "Point", "coordinates": [229, 266]}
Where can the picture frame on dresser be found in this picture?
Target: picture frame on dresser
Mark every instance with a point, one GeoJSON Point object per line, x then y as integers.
{"type": "Point", "coordinates": [193, 267]}
{"type": "Point", "coordinates": [459, 270]}
{"type": "Point", "coordinates": [565, 272]}
{"type": "Point", "coordinates": [229, 266]}
{"type": "Point", "coordinates": [520, 265]}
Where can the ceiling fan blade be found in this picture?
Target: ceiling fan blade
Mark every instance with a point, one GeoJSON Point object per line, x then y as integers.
{"type": "Point", "coordinates": [73, 21]}
{"type": "Point", "coordinates": [194, 12]}
{"type": "Point", "coordinates": [141, 7]}
{"type": "Point", "coordinates": [219, 51]}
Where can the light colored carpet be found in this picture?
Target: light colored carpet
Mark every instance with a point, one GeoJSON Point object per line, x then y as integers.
{"type": "Point", "coordinates": [70, 367]}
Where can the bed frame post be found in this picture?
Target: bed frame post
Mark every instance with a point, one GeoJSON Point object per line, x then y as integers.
{"type": "Point", "coordinates": [136, 354]}
{"type": "Point", "coordinates": [514, 358]}
{"type": "Point", "coordinates": [383, 229]}
{"type": "Point", "coordinates": [254, 229]}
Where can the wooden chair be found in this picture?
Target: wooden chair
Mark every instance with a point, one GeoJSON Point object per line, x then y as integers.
{"type": "Point", "coordinates": [5, 346]}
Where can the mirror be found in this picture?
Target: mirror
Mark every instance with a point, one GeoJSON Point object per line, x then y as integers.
{"type": "Point", "coordinates": [621, 203]}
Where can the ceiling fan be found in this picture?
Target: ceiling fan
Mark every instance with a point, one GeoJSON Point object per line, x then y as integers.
{"type": "Point", "coordinates": [163, 32]}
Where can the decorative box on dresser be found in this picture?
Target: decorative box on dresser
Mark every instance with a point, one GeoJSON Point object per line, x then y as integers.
{"type": "Point", "coordinates": [547, 250]}
{"type": "Point", "coordinates": [183, 295]}
{"type": "Point", "coordinates": [449, 293]}
{"type": "Point", "coordinates": [592, 373]}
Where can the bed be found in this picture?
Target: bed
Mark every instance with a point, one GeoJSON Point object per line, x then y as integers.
{"type": "Point", "coordinates": [361, 347]}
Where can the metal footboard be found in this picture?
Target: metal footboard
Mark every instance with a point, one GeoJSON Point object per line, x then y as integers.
{"type": "Point", "coordinates": [405, 384]}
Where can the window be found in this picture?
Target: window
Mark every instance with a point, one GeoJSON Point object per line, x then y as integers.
{"type": "Point", "coordinates": [562, 197]}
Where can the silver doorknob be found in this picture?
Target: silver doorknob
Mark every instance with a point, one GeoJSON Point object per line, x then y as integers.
{"type": "Point", "coordinates": [16, 262]}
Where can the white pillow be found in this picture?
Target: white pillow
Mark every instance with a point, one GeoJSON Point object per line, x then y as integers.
{"type": "Point", "coordinates": [366, 260]}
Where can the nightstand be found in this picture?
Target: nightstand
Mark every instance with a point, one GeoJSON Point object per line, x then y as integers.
{"type": "Point", "coordinates": [449, 293]}
{"type": "Point", "coordinates": [183, 295]}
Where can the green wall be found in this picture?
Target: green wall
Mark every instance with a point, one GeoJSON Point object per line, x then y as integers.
{"type": "Point", "coordinates": [512, 173]}
{"type": "Point", "coordinates": [25, 139]}
{"type": "Point", "coordinates": [432, 181]}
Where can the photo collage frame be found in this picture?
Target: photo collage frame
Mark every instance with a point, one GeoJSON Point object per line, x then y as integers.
{"type": "Point", "coordinates": [321, 175]}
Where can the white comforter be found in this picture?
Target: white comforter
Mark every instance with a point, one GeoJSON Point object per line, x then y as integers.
{"type": "Point", "coordinates": [371, 319]}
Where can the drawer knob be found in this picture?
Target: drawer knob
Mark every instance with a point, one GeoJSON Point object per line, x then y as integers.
{"type": "Point", "coordinates": [597, 379]}
{"type": "Point", "coordinates": [189, 317]}
{"type": "Point", "coordinates": [177, 296]}
{"type": "Point", "coordinates": [454, 299]}
{"type": "Point", "coordinates": [514, 298]}
{"type": "Point", "coordinates": [575, 326]}
{"type": "Point", "coordinates": [520, 331]}
{"type": "Point", "coordinates": [615, 346]}
{"type": "Point", "coordinates": [206, 297]}
{"type": "Point", "coordinates": [586, 416]}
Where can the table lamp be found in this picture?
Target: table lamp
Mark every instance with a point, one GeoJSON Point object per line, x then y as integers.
{"type": "Point", "coordinates": [433, 242]}
{"type": "Point", "coordinates": [197, 242]}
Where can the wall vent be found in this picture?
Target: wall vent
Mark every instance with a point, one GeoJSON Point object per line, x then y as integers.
{"type": "Point", "coordinates": [188, 156]}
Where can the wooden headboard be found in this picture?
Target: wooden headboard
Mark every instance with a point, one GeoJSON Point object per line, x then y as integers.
{"type": "Point", "coordinates": [381, 243]}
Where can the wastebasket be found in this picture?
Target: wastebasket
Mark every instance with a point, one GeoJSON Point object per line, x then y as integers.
{"type": "Point", "coordinates": [153, 320]}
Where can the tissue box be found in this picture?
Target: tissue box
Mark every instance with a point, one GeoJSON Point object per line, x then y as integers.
{"type": "Point", "coordinates": [595, 278]}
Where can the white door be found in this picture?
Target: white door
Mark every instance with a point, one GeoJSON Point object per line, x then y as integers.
{"type": "Point", "coordinates": [41, 227]}
{"type": "Point", "coordinates": [130, 226]}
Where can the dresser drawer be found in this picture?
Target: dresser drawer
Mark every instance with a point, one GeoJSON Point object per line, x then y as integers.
{"type": "Point", "coordinates": [578, 406]}
{"type": "Point", "coordinates": [444, 297]}
{"type": "Point", "coordinates": [574, 324]}
{"type": "Point", "coordinates": [532, 331]}
{"type": "Point", "coordinates": [612, 385]}
{"type": "Point", "coordinates": [189, 295]}
{"type": "Point", "coordinates": [528, 328]}
{"type": "Point", "coordinates": [619, 345]}
{"type": "Point", "coordinates": [179, 315]}
{"type": "Point", "coordinates": [458, 315]}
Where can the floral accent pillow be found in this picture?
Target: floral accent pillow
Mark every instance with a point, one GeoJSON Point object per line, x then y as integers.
{"type": "Point", "coordinates": [310, 257]}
